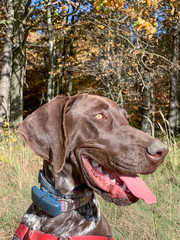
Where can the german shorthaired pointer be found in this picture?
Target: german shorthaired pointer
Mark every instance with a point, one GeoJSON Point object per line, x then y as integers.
{"type": "Point", "coordinates": [88, 146]}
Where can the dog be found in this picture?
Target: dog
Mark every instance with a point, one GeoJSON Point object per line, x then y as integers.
{"type": "Point", "coordinates": [88, 147]}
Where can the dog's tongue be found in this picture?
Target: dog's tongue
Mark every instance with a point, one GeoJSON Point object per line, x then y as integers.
{"type": "Point", "coordinates": [139, 189]}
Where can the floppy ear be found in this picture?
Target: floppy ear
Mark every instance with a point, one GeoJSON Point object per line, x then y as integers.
{"type": "Point", "coordinates": [44, 132]}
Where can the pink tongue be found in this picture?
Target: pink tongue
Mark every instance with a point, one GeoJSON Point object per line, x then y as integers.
{"type": "Point", "coordinates": [139, 189]}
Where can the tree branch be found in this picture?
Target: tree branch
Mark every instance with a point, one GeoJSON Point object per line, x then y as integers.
{"type": "Point", "coordinates": [143, 51]}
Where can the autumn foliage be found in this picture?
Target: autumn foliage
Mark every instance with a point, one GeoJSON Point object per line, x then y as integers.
{"type": "Point", "coordinates": [117, 48]}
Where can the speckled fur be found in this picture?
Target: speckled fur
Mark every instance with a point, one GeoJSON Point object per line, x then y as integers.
{"type": "Point", "coordinates": [87, 218]}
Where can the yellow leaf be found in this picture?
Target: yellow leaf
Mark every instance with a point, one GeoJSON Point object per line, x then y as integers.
{"type": "Point", "coordinates": [113, 3]}
{"type": "Point", "coordinates": [172, 10]}
{"type": "Point", "coordinates": [146, 12]}
{"type": "Point", "coordinates": [155, 24]}
{"type": "Point", "coordinates": [140, 21]}
{"type": "Point", "coordinates": [148, 3]}
{"type": "Point", "coordinates": [146, 25]}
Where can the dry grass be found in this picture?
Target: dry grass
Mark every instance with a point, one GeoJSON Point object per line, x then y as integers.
{"type": "Point", "coordinates": [18, 173]}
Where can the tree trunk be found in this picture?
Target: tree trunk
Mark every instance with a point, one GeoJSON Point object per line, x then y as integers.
{"type": "Point", "coordinates": [152, 112]}
{"type": "Point", "coordinates": [178, 120]}
{"type": "Point", "coordinates": [61, 55]}
{"type": "Point", "coordinates": [6, 68]}
{"type": "Point", "coordinates": [173, 105]}
{"type": "Point", "coordinates": [71, 54]}
{"type": "Point", "coordinates": [50, 90]}
{"type": "Point", "coordinates": [146, 107]}
{"type": "Point", "coordinates": [18, 64]}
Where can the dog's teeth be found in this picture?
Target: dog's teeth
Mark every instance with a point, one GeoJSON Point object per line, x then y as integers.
{"type": "Point", "coordinates": [114, 181]}
{"type": "Point", "coordinates": [107, 175]}
{"type": "Point", "coordinates": [94, 164]}
{"type": "Point", "coordinates": [124, 187]}
{"type": "Point", "coordinates": [99, 169]}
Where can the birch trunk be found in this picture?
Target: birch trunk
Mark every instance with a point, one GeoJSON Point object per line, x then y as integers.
{"type": "Point", "coordinates": [6, 68]}
{"type": "Point", "coordinates": [61, 55]}
{"type": "Point", "coordinates": [71, 53]}
{"type": "Point", "coordinates": [173, 106]}
{"type": "Point", "coordinates": [146, 107]}
{"type": "Point", "coordinates": [50, 88]}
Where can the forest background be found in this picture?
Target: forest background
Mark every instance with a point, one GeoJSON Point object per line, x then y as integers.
{"type": "Point", "coordinates": [128, 51]}
{"type": "Point", "coordinates": [125, 50]}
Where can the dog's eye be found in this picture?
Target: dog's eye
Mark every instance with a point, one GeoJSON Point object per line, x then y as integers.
{"type": "Point", "coordinates": [100, 116]}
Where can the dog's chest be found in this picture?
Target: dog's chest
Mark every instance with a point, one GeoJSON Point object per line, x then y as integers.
{"type": "Point", "coordinates": [81, 221]}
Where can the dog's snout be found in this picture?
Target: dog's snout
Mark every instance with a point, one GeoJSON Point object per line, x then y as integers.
{"type": "Point", "coordinates": [157, 151]}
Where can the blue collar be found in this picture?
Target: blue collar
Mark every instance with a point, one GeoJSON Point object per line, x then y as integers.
{"type": "Point", "coordinates": [52, 201]}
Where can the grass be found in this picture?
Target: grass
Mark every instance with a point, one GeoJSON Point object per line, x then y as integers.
{"type": "Point", "coordinates": [18, 173]}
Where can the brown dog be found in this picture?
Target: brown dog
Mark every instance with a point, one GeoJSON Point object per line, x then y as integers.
{"type": "Point", "coordinates": [88, 146]}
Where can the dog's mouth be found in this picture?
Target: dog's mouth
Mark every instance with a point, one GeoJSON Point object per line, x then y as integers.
{"type": "Point", "coordinates": [117, 186]}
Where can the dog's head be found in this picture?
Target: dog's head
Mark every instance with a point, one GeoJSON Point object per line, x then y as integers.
{"type": "Point", "coordinates": [88, 139]}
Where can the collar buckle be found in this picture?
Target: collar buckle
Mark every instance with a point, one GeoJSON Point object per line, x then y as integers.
{"type": "Point", "coordinates": [66, 204]}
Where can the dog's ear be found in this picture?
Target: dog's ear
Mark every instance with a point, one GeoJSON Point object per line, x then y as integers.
{"type": "Point", "coordinates": [44, 132]}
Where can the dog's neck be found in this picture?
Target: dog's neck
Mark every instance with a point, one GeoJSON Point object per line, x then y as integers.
{"type": "Point", "coordinates": [69, 181]}
{"type": "Point", "coordinates": [87, 217]}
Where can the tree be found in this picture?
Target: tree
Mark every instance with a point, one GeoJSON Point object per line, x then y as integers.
{"type": "Point", "coordinates": [173, 106]}
{"type": "Point", "coordinates": [50, 88]}
{"type": "Point", "coordinates": [114, 48]}
{"type": "Point", "coordinates": [6, 67]}
{"type": "Point", "coordinates": [20, 33]}
{"type": "Point", "coordinates": [146, 124]}
{"type": "Point", "coordinates": [145, 19]}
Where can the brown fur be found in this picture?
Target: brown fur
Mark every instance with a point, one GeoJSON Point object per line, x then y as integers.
{"type": "Point", "coordinates": [67, 127]}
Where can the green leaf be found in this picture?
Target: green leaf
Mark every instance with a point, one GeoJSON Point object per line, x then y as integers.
{"type": "Point", "coordinates": [136, 23]}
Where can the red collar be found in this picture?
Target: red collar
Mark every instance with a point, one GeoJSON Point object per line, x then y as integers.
{"type": "Point", "coordinates": [24, 233]}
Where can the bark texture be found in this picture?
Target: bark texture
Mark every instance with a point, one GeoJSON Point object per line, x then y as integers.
{"type": "Point", "coordinates": [6, 67]}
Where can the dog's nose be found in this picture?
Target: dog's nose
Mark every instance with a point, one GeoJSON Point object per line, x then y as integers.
{"type": "Point", "coordinates": [157, 151]}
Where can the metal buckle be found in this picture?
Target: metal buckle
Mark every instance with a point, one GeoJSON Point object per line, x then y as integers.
{"type": "Point", "coordinates": [26, 235]}
{"type": "Point", "coordinates": [62, 238]}
{"type": "Point", "coordinates": [70, 203]}
{"type": "Point", "coordinates": [109, 237]}
{"type": "Point", "coordinates": [66, 204]}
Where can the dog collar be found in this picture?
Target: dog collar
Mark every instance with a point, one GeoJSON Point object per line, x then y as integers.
{"type": "Point", "coordinates": [25, 233]}
{"type": "Point", "coordinates": [52, 201]}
